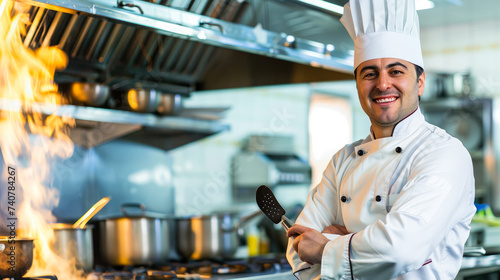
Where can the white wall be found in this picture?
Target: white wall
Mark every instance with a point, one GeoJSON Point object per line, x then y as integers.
{"type": "Point", "coordinates": [472, 47]}
{"type": "Point", "coordinates": [202, 175]}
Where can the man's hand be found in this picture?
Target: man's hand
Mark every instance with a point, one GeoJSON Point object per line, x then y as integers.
{"type": "Point", "coordinates": [309, 243]}
{"type": "Point", "coordinates": [335, 229]}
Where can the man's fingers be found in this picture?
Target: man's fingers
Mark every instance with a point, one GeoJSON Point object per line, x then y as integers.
{"type": "Point", "coordinates": [296, 230]}
{"type": "Point", "coordinates": [295, 244]}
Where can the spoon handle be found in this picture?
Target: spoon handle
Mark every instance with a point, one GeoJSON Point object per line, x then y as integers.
{"type": "Point", "coordinates": [90, 213]}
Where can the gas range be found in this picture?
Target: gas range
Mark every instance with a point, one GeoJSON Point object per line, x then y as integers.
{"type": "Point", "coordinates": [216, 270]}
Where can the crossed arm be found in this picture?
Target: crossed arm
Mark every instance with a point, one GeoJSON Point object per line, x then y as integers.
{"type": "Point", "coordinates": [310, 243]}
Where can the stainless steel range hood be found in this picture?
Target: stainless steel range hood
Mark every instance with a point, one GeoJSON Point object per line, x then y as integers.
{"type": "Point", "coordinates": [183, 45]}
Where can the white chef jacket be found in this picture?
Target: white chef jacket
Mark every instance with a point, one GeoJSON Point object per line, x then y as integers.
{"type": "Point", "coordinates": [407, 201]}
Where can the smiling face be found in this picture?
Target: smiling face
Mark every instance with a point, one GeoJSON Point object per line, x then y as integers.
{"type": "Point", "coordinates": [388, 90]}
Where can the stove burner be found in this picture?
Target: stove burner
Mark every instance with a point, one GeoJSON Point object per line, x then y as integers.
{"type": "Point", "coordinates": [194, 270]}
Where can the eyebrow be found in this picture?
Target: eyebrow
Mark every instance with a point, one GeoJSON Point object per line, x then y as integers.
{"type": "Point", "coordinates": [373, 67]}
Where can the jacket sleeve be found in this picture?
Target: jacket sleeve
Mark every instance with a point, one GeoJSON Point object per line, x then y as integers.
{"type": "Point", "coordinates": [439, 195]}
{"type": "Point", "coordinates": [321, 210]}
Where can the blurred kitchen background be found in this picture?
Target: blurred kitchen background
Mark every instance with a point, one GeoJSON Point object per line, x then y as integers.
{"type": "Point", "coordinates": [259, 92]}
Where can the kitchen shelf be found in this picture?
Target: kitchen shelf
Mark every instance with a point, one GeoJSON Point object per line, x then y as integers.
{"type": "Point", "coordinates": [95, 126]}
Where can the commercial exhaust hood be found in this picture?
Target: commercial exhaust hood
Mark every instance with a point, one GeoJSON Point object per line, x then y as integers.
{"type": "Point", "coordinates": [179, 46]}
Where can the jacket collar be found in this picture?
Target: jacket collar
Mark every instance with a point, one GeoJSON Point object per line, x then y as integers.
{"type": "Point", "coordinates": [406, 126]}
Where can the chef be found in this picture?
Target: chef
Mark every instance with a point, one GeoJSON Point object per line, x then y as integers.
{"type": "Point", "coordinates": [396, 205]}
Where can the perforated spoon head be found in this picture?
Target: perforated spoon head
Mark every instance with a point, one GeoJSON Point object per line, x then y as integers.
{"type": "Point", "coordinates": [268, 204]}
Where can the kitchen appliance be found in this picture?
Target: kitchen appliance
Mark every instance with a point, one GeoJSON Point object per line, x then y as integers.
{"type": "Point", "coordinates": [265, 267]}
{"type": "Point", "coordinates": [170, 45]}
{"type": "Point", "coordinates": [474, 122]}
{"type": "Point", "coordinates": [267, 160]}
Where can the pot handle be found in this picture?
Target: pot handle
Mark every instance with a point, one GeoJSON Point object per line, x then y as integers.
{"type": "Point", "coordinates": [132, 205]}
{"type": "Point", "coordinates": [241, 222]}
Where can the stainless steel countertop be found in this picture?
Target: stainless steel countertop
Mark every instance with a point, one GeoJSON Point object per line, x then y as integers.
{"type": "Point", "coordinates": [480, 261]}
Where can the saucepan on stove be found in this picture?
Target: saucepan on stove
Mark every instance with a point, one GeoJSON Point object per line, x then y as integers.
{"type": "Point", "coordinates": [16, 256]}
{"type": "Point", "coordinates": [212, 236]}
{"type": "Point", "coordinates": [70, 242]}
{"type": "Point", "coordinates": [137, 237]}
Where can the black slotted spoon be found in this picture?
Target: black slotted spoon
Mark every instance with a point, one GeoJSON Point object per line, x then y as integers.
{"type": "Point", "coordinates": [270, 206]}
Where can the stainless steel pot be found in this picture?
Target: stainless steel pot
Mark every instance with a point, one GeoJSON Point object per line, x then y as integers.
{"type": "Point", "coordinates": [143, 100]}
{"type": "Point", "coordinates": [92, 94]}
{"type": "Point", "coordinates": [209, 236]}
{"type": "Point", "coordinates": [134, 239]}
{"type": "Point", "coordinates": [16, 256]}
{"type": "Point", "coordinates": [169, 104]}
{"type": "Point", "coordinates": [74, 243]}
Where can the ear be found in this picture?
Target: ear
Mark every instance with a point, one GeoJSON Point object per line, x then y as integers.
{"type": "Point", "coordinates": [421, 84]}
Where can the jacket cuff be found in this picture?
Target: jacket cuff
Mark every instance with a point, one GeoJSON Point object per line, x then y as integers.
{"type": "Point", "coordinates": [335, 262]}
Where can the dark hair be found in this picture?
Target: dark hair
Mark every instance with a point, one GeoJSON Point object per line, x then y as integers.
{"type": "Point", "coordinates": [418, 69]}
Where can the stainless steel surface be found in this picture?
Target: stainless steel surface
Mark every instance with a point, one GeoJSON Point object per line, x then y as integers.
{"type": "Point", "coordinates": [474, 251]}
{"type": "Point", "coordinates": [170, 104]}
{"type": "Point", "coordinates": [267, 160]}
{"type": "Point", "coordinates": [209, 236]}
{"type": "Point", "coordinates": [143, 100]}
{"type": "Point", "coordinates": [93, 94]}
{"type": "Point", "coordinates": [182, 46]}
{"type": "Point", "coordinates": [481, 261]}
{"type": "Point", "coordinates": [451, 84]}
{"type": "Point", "coordinates": [95, 126]}
{"type": "Point", "coordinates": [251, 169]}
{"type": "Point", "coordinates": [134, 239]}
{"type": "Point", "coordinates": [17, 257]}
{"type": "Point", "coordinates": [210, 30]}
{"type": "Point", "coordinates": [74, 243]}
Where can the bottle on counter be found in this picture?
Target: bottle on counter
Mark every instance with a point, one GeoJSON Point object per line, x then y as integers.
{"type": "Point", "coordinates": [253, 241]}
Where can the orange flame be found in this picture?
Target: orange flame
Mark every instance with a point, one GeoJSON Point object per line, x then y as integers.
{"type": "Point", "coordinates": [29, 139]}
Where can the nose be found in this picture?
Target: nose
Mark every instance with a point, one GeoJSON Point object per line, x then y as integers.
{"type": "Point", "coordinates": [383, 81]}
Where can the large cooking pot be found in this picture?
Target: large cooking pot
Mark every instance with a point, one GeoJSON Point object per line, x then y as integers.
{"type": "Point", "coordinates": [16, 256]}
{"type": "Point", "coordinates": [210, 236]}
{"type": "Point", "coordinates": [74, 243]}
{"type": "Point", "coordinates": [134, 238]}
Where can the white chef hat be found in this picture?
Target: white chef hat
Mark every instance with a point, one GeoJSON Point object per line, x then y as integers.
{"type": "Point", "coordinates": [383, 28]}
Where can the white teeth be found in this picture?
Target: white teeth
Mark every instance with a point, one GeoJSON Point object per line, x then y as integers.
{"type": "Point", "coordinates": [383, 100]}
